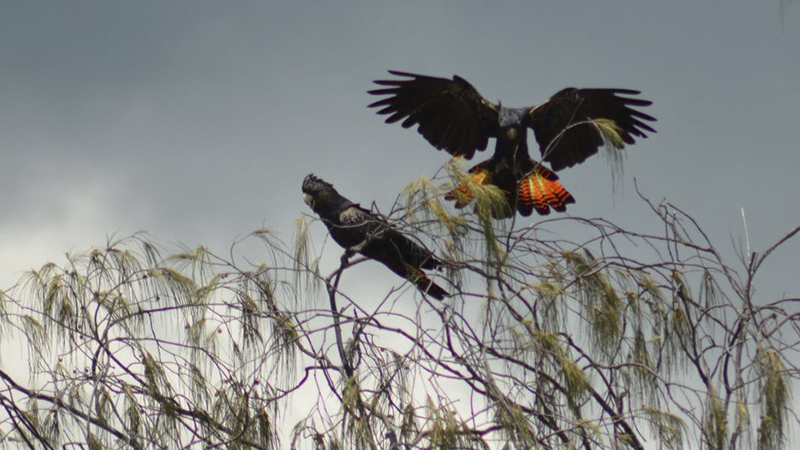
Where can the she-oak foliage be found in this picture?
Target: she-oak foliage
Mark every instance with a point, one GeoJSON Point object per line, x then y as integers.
{"type": "Point", "coordinates": [566, 333]}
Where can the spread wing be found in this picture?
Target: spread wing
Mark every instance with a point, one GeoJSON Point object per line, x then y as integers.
{"type": "Point", "coordinates": [451, 114]}
{"type": "Point", "coordinates": [571, 125]}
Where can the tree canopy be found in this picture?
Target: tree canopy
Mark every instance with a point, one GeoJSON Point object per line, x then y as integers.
{"type": "Point", "coordinates": [563, 333]}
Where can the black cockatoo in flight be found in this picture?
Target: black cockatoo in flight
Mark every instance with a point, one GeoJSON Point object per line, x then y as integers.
{"type": "Point", "coordinates": [359, 230]}
{"type": "Point", "coordinates": [569, 127]}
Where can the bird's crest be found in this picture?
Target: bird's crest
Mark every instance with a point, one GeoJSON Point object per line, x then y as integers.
{"type": "Point", "coordinates": [322, 197]}
{"type": "Point", "coordinates": [312, 184]}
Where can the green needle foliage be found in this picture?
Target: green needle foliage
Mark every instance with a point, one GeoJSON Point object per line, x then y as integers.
{"type": "Point", "coordinates": [563, 333]}
{"type": "Point", "coordinates": [775, 398]}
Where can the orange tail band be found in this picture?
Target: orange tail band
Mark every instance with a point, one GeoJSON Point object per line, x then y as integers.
{"type": "Point", "coordinates": [542, 191]}
{"type": "Point", "coordinates": [462, 193]}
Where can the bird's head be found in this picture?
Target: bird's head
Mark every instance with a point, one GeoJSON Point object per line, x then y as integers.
{"type": "Point", "coordinates": [319, 194]}
{"type": "Point", "coordinates": [511, 121]}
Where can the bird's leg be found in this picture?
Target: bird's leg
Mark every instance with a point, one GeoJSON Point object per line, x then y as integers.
{"type": "Point", "coordinates": [349, 252]}
{"type": "Point", "coordinates": [345, 259]}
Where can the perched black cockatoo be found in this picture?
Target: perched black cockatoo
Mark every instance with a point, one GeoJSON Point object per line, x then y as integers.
{"type": "Point", "coordinates": [569, 128]}
{"type": "Point", "coordinates": [359, 230]}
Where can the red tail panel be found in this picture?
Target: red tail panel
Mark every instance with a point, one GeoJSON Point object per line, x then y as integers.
{"type": "Point", "coordinates": [542, 191]}
{"type": "Point", "coordinates": [462, 194]}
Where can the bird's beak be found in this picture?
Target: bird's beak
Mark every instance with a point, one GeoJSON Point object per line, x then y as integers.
{"type": "Point", "coordinates": [512, 133]}
{"type": "Point", "coordinates": [309, 200]}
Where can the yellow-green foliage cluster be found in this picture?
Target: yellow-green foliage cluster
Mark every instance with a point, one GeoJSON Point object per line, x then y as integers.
{"type": "Point", "coordinates": [775, 396]}
{"type": "Point", "coordinates": [716, 421]}
{"type": "Point", "coordinates": [669, 428]}
{"type": "Point", "coordinates": [601, 304]}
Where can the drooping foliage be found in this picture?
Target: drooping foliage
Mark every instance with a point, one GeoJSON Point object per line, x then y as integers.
{"type": "Point", "coordinates": [563, 333]}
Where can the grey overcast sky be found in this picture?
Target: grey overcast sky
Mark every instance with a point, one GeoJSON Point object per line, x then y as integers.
{"type": "Point", "coordinates": [196, 121]}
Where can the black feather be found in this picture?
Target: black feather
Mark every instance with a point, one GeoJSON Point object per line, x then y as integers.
{"type": "Point", "coordinates": [453, 116]}
{"type": "Point", "coordinates": [370, 234]}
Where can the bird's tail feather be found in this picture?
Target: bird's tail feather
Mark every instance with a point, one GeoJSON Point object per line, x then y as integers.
{"type": "Point", "coordinates": [425, 284]}
{"type": "Point", "coordinates": [541, 190]}
{"type": "Point", "coordinates": [462, 193]}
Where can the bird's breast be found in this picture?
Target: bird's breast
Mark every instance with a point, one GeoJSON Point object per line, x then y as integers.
{"type": "Point", "coordinates": [512, 133]}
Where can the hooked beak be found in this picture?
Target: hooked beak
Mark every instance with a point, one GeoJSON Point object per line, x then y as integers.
{"type": "Point", "coordinates": [309, 200]}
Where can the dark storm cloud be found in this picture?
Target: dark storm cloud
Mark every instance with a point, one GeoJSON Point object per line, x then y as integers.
{"type": "Point", "coordinates": [197, 120]}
